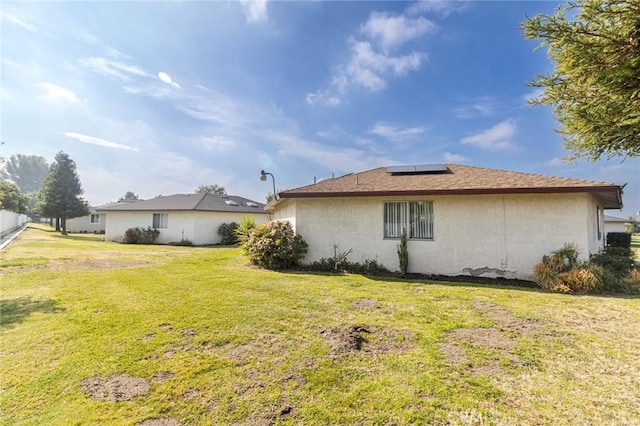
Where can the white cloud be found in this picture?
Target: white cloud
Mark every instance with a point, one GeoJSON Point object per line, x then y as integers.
{"type": "Point", "coordinates": [370, 69]}
{"type": "Point", "coordinates": [482, 106]}
{"type": "Point", "coordinates": [112, 68]}
{"type": "Point", "coordinates": [556, 161]}
{"type": "Point", "coordinates": [392, 31]}
{"type": "Point", "coordinates": [396, 134]}
{"type": "Point", "coordinates": [12, 18]}
{"type": "Point", "coordinates": [497, 137]}
{"type": "Point", "coordinates": [255, 10]}
{"type": "Point", "coordinates": [217, 142]}
{"type": "Point", "coordinates": [166, 78]}
{"type": "Point", "coordinates": [54, 93]}
{"type": "Point", "coordinates": [371, 63]}
{"type": "Point", "coordinates": [332, 158]}
{"type": "Point", "coordinates": [533, 95]}
{"type": "Point", "coordinates": [323, 97]}
{"type": "Point", "coordinates": [448, 157]}
{"type": "Point", "coordinates": [98, 141]}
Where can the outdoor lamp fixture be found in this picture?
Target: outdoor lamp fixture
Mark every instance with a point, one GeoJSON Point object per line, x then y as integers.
{"type": "Point", "coordinates": [263, 177]}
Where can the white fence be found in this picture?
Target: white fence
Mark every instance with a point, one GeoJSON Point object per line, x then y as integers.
{"type": "Point", "coordinates": [10, 221]}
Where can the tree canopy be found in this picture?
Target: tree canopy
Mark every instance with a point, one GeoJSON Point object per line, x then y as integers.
{"type": "Point", "coordinates": [129, 196]}
{"type": "Point", "coordinates": [595, 87]}
{"type": "Point", "coordinates": [12, 199]}
{"type": "Point", "coordinates": [211, 189]}
{"type": "Point", "coordinates": [26, 171]}
{"type": "Point", "coordinates": [61, 190]}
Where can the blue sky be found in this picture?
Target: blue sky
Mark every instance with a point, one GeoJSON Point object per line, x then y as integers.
{"type": "Point", "coordinates": [160, 97]}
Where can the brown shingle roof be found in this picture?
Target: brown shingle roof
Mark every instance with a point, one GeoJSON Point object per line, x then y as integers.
{"type": "Point", "coordinates": [460, 180]}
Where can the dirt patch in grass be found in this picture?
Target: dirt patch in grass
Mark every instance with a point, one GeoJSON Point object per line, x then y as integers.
{"type": "Point", "coordinates": [117, 388]}
{"type": "Point", "coordinates": [455, 349]}
{"type": "Point", "coordinates": [506, 320]}
{"type": "Point", "coordinates": [164, 421]}
{"type": "Point", "coordinates": [344, 340]}
{"type": "Point", "coordinates": [88, 264]}
{"type": "Point", "coordinates": [366, 339]}
{"type": "Point", "coordinates": [364, 303]}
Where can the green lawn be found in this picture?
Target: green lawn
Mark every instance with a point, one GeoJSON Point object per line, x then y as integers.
{"type": "Point", "coordinates": [102, 333]}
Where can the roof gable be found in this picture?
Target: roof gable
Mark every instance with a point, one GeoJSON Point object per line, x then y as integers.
{"type": "Point", "coordinates": [459, 180]}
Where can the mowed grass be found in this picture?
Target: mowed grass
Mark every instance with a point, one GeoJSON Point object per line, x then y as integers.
{"type": "Point", "coordinates": [217, 341]}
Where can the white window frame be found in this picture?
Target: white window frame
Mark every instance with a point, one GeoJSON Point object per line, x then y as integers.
{"type": "Point", "coordinates": [161, 220]}
{"type": "Point", "coordinates": [414, 216]}
{"type": "Point", "coordinates": [95, 219]}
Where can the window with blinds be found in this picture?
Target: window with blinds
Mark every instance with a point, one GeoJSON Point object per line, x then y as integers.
{"type": "Point", "coordinates": [414, 216]}
{"type": "Point", "coordinates": [160, 220]}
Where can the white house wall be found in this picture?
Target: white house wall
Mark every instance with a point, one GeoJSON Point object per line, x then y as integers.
{"type": "Point", "coordinates": [199, 227]}
{"type": "Point", "coordinates": [484, 235]}
{"type": "Point", "coordinates": [83, 224]}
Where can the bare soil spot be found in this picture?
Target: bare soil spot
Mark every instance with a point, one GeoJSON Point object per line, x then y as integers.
{"type": "Point", "coordinates": [507, 320]}
{"type": "Point", "coordinates": [148, 337]}
{"type": "Point", "coordinates": [486, 337]}
{"type": "Point", "coordinates": [77, 264]}
{"type": "Point", "coordinates": [117, 388]}
{"type": "Point", "coordinates": [364, 303]}
{"type": "Point", "coordinates": [161, 377]}
{"type": "Point", "coordinates": [345, 340]}
{"type": "Point", "coordinates": [374, 340]}
{"type": "Point", "coordinates": [165, 421]}
{"type": "Point", "coordinates": [190, 393]}
{"type": "Point", "coordinates": [454, 352]}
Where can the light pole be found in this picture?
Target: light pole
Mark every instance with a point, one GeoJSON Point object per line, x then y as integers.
{"type": "Point", "coordinates": [263, 178]}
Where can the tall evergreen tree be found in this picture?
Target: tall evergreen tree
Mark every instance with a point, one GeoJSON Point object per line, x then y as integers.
{"type": "Point", "coordinates": [60, 192]}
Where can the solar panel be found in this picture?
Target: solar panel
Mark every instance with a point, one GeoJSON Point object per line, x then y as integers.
{"type": "Point", "coordinates": [418, 169]}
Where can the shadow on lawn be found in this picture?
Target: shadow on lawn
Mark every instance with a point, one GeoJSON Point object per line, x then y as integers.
{"type": "Point", "coordinates": [463, 281]}
{"type": "Point", "coordinates": [14, 311]}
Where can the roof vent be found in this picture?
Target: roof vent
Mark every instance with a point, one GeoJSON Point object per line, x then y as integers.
{"type": "Point", "coordinates": [422, 169]}
{"type": "Point", "coordinates": [231, 203]}
{"type": "Point", "coordinates": [251, 204]}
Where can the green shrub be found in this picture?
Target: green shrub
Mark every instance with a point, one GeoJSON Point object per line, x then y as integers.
{"type": "Point", "coordinates": [619, 239]}
{"type": "Point", "coordinates": [244, 230]}
{"type": "Point", "coordinates": [339, 263]}
{"type": "Point", "coordinates": [610, 270]}
{"type": "Point", "coordinates": [140, 235]}
{"type": "Point", "coordinates": [618, 260]}
{"type": "Point", "coordinates": [274, 245]}
{"type": "Point", "coordinates": [227, 232]}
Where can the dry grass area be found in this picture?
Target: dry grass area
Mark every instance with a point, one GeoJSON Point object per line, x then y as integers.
{"type": "Point", "coordinates": [102, 333]}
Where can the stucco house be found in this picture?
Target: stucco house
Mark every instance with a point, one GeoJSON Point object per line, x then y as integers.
{"type": "Point", "coordinates": [94, 222]}
{"type": "Point", "coordinates": [614, 224]}
{"type": "Point", "coordinates": [460, 220]}
{"type": "Point", "coordinates": [193, 217]}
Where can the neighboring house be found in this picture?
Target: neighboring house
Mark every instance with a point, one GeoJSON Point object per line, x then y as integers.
{"type": "Point", "coordinates": [614, 224]}
{"type": "Point", "coordinates": [460, 220]}
{"type": "Point", "coordinates": [193, 217]}
{"type": "Point", "coordinates": [94, 222]}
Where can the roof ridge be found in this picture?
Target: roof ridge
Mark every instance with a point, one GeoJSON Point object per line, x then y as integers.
{"type": "Point", "coordinates": [203, 196]}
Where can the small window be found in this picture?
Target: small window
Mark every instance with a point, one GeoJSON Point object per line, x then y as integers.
{"type": "Point", "coordinates": [414, 216]}
{"type": "Point", "coordinates": [598, 219]}
{"type": "Point", "coordinates": [95, 219]}
{"type": "Point", "coordinates": [160, 220]}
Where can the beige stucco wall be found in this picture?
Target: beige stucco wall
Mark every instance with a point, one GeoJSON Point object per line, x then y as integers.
{"type": "Point", "coordinates": [200, 228]}
{"type": "Point", "coordinates": [487, 235]}
{"type": "Point", "coordinates": [83, 224]}
{"type": "Point", "coordinates": [611, 226]}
